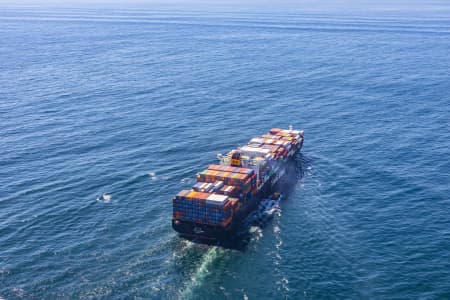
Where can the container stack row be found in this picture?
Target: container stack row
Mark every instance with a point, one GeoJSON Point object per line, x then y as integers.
{"type": "Point", "coordinates": [205, 208]}
{"type": "Point", "coordinates": [238, 182]}
{"type": "Point", "coordinates": [279, 142]}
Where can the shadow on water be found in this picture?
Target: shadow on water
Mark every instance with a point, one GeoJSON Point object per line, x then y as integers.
{"type": "Point", "coordinates": [294, 173]}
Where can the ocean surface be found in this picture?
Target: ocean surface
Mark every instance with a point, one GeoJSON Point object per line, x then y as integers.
{"type": "Point", "coordinates": [133, 103]}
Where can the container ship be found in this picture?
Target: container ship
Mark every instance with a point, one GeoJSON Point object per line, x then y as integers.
{"type": "Point", "coordinates": [227, 192]}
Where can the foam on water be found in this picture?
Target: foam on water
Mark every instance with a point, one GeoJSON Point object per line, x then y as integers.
{"type": "Point", "coordinates": [203, 270]}
{"type": "Point", "coordinates": [282, 278]}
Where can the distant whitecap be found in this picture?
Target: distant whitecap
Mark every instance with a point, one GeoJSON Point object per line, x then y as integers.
{"type": "Point", "coordinates": [106, 197]}
{"type": "Point", "coordinates": [186, 180]}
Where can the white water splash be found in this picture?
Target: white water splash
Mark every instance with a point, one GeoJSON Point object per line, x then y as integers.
{"type": "Point", "coordinates": [187, 180]}
{"type": "Point", "coordinates": [201, 272]}
{"type": "Point", "coordinates": [186, 245]}
{"type": "Point", "coordinates": [276, 229]}
{"type": "Point", "coordinates": [105, 197]}
{"type": "Point", "coordinates": [244, 296]}
{"type": "Point", "coordinates": [283, 282]}
{"type": "Point", "coordinates": [256, 233]}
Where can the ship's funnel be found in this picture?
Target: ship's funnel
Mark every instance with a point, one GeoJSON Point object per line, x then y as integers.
{"type": "Point", "coordinates": [236, 159]}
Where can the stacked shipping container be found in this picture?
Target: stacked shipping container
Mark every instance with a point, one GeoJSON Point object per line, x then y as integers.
{"type": "Point", "coordinates": [216, 196]}
{"type": "Point", "coordinates": [221, 190]}
{"type": "Point", "coordinates": [205, 208]}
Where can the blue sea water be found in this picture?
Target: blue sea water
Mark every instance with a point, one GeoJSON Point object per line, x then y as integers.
{"type": "Point", "coordinates": [133, 103]}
